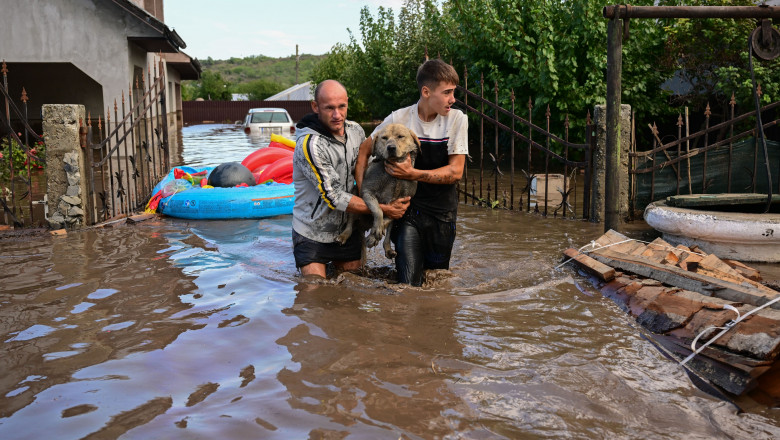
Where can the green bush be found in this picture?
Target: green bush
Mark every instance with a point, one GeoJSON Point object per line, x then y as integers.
{"type": "Point", "coordinates": [20, 159]}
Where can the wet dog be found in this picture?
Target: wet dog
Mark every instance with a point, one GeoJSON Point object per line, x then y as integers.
{"type": "Point", "coordinates": [394, 143]}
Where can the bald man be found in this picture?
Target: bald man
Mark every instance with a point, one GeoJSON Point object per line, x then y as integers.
{"type": "Point", "coordinates": [327, 147]}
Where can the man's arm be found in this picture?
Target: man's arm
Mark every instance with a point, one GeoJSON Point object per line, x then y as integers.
{"type": "Point", "coordinates": [448, 174]}
{"type": "Point", "coordinates": [393, 210]}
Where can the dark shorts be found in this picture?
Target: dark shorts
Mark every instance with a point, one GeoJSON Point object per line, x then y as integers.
{"type": "Point", "coordinates": [308, 251]}
{"type": "Point", "coordinates": [421, 242]}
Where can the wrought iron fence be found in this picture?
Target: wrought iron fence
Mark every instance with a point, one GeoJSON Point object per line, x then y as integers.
{"type": "Point", "coordinates": [129, 155]}
{"type": "Point", "coordinates": [19, 142]}
{"type": "Point", "coordinates": [720, 158]}
{"type": "Point", "coordinates": [526, 144]}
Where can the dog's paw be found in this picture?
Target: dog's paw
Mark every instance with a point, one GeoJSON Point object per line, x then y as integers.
{"type": "Point", "coordinates": [371, 241]}
{"type": "Point", "coordinates": [390, 254]}
{"type": "Point", "coordinates": [341, 239]}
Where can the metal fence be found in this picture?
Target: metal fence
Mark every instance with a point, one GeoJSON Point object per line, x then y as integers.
{"type": "Point", "coordinates": [552, 180]}
{"type": "Point", "coordinates": [721, 158]}
{"type": "Point", "coordinates": [127, 156]}
{"type": "Point", "coordinates": [19, 161]}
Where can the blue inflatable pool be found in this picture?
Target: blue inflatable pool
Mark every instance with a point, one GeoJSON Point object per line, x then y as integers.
{"type": "Point", "coordinates": [193, 202]}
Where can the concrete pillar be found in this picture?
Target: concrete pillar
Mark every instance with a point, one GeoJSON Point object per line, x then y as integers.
{"type": "Point", "coordinates": [599, 162]}
{"type": "Point", "coordinates": [66, 175]}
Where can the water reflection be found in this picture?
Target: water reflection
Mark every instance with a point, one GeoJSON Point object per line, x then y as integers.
{"type": "Point", "coordinates": [216, 144]}
{"type": "Point", "coordinates": [372, 362]}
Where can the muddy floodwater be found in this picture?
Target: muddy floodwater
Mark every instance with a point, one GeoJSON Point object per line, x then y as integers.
{"type": "Point", "coordinates": [174, 329]}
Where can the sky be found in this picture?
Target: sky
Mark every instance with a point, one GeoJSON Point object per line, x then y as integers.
{"type": "Point", "coordinates": [222, 29]}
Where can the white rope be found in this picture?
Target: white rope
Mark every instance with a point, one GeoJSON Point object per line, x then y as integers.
{"type": "Point", "coordinates": [726, 327]}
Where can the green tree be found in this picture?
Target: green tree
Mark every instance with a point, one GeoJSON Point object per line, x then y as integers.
{"type": "Point", "coordinates": [379, 69]}
{"type": "Point", "coordinates": [710, 57]}
{"type": "Point", "coordinates": [259, 89]}
{"type": "Point", "coordinates": [212, 87]}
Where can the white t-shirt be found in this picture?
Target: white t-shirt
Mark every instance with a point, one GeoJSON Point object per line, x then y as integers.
{"type": "Point", "coordinates": [452, 129]}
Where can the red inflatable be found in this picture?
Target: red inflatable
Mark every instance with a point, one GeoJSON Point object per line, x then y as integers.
{"type": "Point", "coordinates": [275, 144]}
{"type": "Point", "coordinates": [259, 170]}
{"type": "Point", "coordinates": [279, 171]}
{"type": "Point", "coordinates": [265, 156]}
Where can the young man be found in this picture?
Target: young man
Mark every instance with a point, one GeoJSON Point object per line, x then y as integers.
{"type": "Point", "coordinates": [326, 150]}
{"type": "Point", "coordinates": [424, 236]}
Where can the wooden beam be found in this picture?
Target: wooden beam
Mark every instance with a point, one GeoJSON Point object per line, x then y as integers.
{"type": "Point", "coordinates": [675, 276]}
{"type": "Point", "coordinates": [600, 270]}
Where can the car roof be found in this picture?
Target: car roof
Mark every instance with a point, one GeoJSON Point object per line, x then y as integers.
{"type": "Point", "coordinates": [266, 109]}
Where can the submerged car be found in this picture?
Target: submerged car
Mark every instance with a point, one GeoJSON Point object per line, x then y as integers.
{"type": "Point", "coordinates": [265, 121]}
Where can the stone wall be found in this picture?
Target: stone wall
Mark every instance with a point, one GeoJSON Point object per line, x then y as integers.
{"type": "Point", "coordinates": [66, 173]}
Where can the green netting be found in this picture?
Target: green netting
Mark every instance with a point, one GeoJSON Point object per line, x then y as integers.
{"type": "Point", "coordinates": [743, 162]}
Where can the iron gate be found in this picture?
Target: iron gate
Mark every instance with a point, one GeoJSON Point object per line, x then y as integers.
{"type": "Point", "coordinates": [542, 189]}
{"type": "Point", "coordinates": [129, 155]}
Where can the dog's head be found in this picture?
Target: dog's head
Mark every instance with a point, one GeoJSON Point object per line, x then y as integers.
{"type": "Point", "coordinates": [394, 142]}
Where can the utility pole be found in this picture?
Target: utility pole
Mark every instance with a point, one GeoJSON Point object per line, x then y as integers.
{"type": "Point", "coordinates": [297, 58]}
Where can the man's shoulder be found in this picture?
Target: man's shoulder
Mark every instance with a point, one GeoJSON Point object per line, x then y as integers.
{"type": "Point", "coordinates": [404, 112]}
{"type": "Point", "coordinates": [352, 125]}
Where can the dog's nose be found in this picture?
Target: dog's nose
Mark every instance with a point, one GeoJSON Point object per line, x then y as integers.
{"type": "Point", "coordinates": [391, 150]}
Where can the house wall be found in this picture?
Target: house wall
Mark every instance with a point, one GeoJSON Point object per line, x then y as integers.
{"type": "Point", "coordinates": [91, 35]}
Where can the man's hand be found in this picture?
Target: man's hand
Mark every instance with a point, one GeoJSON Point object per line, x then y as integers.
{"type": "Point", "coordinates": [402, 170]}
{"type": "Point", "coordinates": [396, 208]}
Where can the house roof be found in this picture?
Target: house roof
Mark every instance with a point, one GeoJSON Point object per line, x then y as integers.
{"type": "Point", "coordinates": [167, 42]}
{"type": "Point", "coordinates": [188, 68]}
{"type": "Point", "coordinates": [298, 92]}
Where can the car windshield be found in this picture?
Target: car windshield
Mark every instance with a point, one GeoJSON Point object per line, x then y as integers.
{"type": "Point", "coordinates": [266, 117]}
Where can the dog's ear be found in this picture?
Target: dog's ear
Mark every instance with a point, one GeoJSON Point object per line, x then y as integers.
{"type": "Point", "coordinates": [374, 144]}
{"type": "Point", "coordinates": [416, 141]}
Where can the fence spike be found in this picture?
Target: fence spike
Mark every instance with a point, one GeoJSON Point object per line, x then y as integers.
{"type": "Point", "coordinates": [123, 97]}
{"type": "Point", "coordinates": [758, 90]}
{"type": "Point", "coordinates": [654, 129]}
{"type": "Point", "coordinates": [115, 106]}
{"type": "Point", "coordinates": [530, 105]}
{"type": "Point", "coordinates": [547, 113]}
{"type": "Point", "coordinates": [4, 70]}
{"type": "Point", "coordinates": [588, 121]}
{"type": "Point", "coordinates": [679, 120]}
{"type": "Point", "coordinates": [100, 124]}
{"type": "Point", "coordinates": [733, 101]}
{"type": "Point", "coordinates": [707, 111]}
{"type": "Point", "coordinates": [512, 96]}
{"type": "Point", "coordinates": [566, 122]}
{"type": "Point", "coordinates": [24, 95]}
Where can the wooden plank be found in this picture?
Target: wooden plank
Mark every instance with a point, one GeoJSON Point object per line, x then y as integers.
{"type": "Point", "coordinates": [744, 270]}
{"type": "Point", "coordinates": [683, 279]}
{"type": "Point", "coordinates": [611, 237]}
{"type": "Point", "coordinates": [601, 270]}
{"type": "Point", "coordinates": [713, 263]}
